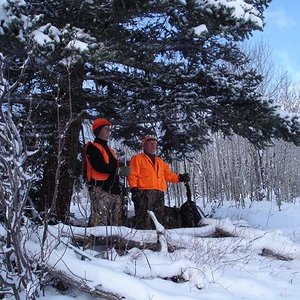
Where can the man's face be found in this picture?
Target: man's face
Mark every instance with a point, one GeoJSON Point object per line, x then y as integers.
{"type": "Point", "coordinates": [104, 133]}
{"type": "Point", "coordinates": [150, 146]}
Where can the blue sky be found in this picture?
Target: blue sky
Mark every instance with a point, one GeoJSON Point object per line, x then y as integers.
{"type": "Point", "coordinates": [282, 34]}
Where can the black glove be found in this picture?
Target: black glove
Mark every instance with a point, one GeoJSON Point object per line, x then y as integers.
{"type": "Point", "coordinates": [135, 194]}
{"type": "Point", "coordinates": [124, 171]}
{"type": "Point", "coordinates": [135, 197]}
{"type": "Point", "coordinates": [184, 177]}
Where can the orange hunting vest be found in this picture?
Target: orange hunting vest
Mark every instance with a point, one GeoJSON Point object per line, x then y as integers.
{"type": "Point", "coordinates": [92, 173]}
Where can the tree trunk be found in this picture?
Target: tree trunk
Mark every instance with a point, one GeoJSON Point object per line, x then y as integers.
{"type": "Point", "coordinates": [65, 145]}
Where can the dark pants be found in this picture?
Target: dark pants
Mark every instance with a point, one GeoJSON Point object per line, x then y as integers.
{"type": "Point", "coordinates": [149, 200]}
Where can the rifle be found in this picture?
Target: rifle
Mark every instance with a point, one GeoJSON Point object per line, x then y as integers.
{"type": "Point", "coordinates": [125, 198]}
{"type": "Point", "coordinates": [189, 198]}
{"type": "Point", "coordinates": [189, 208]}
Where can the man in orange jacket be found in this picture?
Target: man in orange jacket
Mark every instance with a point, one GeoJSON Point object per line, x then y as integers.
{"type": "Point", "coordinates": [148, 179]}
{"type": "Point", "coordinates": [103, 176]}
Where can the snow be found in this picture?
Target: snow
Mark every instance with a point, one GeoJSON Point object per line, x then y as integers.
{"type": "Point", "coordinates": [199, 30]}
{"type": "Point", "coordinates": [227, 268]}
{"type": "Point", "coordinates": [46, 34]}
{"type": "Point", "coordinates": [78, 45]}
{"type": "Point", "coordinates": [240, 10]}
{"type": "Point", "coordinates": [8, 16]}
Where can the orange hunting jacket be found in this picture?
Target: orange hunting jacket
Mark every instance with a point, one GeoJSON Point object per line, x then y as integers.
{"type": "Point", "coordinates": [145, 175]}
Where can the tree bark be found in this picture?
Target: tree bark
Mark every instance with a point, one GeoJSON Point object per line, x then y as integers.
{"type": "Point", "coordinates": [68, 129]}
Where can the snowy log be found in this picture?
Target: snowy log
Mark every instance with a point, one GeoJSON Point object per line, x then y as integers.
{"type": "Point", "coordinates": [265, 243]}
{"type": "Point", "coordinates": [117, 242]}
{"type": "Point", "coordinates": [82, 284]}
{"type": "Point", "coordinates": [262, 242]}
{"type": "Point", "coordinates": [160, 230]}
{"type": "Point", "coordinates": [128, 238]}
{"type": "Point", "coordinates": [270, 253]}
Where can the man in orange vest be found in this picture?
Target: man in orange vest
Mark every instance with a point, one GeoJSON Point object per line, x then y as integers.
{"type": "Point", "coordinates": [148, 179]}
{"type": "Point", "coordinates": [103, 176]}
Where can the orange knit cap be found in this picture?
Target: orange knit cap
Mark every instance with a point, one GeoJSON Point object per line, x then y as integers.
{"type": "Point", "coordinates": [100, 122]}
{"type": "Point", "coordinates": [148, 138]}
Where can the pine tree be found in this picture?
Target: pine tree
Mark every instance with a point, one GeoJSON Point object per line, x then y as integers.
{"type": "Point", "coordinates": [170, 67]}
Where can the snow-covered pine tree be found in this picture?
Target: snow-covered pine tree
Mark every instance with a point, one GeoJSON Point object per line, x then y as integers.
{"type": "Point", "coordinates": [173, 67]}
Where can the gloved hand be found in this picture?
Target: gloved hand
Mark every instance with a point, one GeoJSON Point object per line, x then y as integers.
{"type": "Point", "coordinates": [124, 171]}
{"type": "Point", "coordinates": [184, 177]}
{"type": "Point", "coordinates": [135, 197]}
{"type": "Point", "coordinates": [134, 193]}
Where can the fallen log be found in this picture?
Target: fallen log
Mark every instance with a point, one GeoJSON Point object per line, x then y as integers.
{"type": "Point", "coordinates": [269, 243]}
{"type": "Point", "coordinates": [265, 243]}
{"type": "Point", "coordinates": [270, 253]}
{"type": "Point", "coordinates": [120, 244]}
{"type": "Point", "coordinates": [160, 231]}
{"type": "Point", "coordinates": [82, 284]}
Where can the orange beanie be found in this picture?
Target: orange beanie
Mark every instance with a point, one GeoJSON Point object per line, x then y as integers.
{"type": "Point", "coordinates": [100, 122]}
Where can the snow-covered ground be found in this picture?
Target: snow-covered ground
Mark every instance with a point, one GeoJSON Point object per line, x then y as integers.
{"type": "Point", "coordinates": [227, 268]}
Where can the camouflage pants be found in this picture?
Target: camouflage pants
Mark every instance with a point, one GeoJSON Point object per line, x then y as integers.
{"type": "Point", "coordinates": [106, 209]}
{"type": "Point", "coordinates": [149, 200]}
